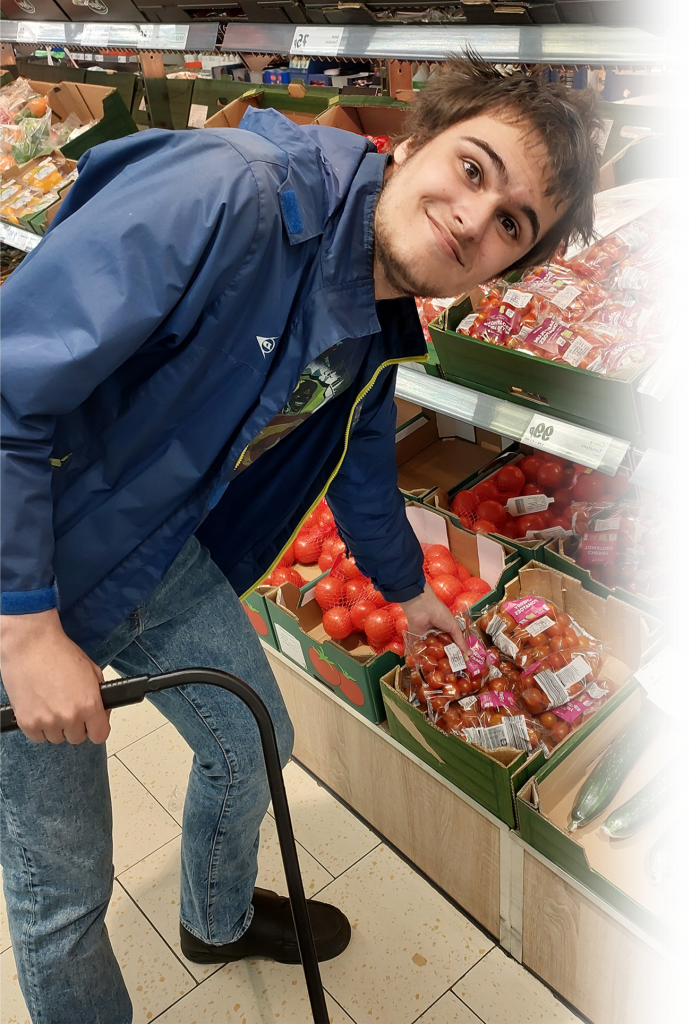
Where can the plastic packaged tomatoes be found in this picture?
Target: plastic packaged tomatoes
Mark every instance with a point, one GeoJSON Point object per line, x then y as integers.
{"type": "Point", "coordinates": [525, 624]}
{"type": "Point", "coordinates": [556, 678]}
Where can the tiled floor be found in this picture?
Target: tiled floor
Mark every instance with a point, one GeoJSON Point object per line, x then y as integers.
{"type": "Point", "coordinates": [413, 957]}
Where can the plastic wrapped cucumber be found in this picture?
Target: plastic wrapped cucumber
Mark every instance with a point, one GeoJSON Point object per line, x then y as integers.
{"type": "Point", "coordinates": [636, 812]}
{"type": "Point", "coordinates": [663, 855]}
{"type": "Point", "coordinates": [601, 786]}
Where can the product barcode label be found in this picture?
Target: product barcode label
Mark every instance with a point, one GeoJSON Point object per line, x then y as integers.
{"type": "Point", "coordinates": [577, 352]}
{"type": "Point", "coordinates": [528, 503]}
{"type": "Point", "coordinates": [44, 171]}
{"type": "Point", "coordinates": [552, 687]}
{"type": "Point", "coordinates": [516, 298]}
{"type": "Point", "coordinates": [573, 673]}
{"type": "Point", "coordinates": [595, 691]}
{"type": "Point", "coordinates": [495, 626]}
{"type": "Point", "coordinates": [455, 658]}
{"type": "Point", "coordinates": [494, 673]}
{"type": "Point", "coordinates": [539, 627]}
{"type": "Point", "coordinates": [566, 296]}
{"type": "Point", "coordinates": [511, 732]}
{"type": "Point", "coordinates": [606, 524]}
{"type": "Point", "coordinates": [505, 644]}
{"type": "Point", "coordinates": [465, 324]}
{"type": "Point", "coordinates": [467, 702]}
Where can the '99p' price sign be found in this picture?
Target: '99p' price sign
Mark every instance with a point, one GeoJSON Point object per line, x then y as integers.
{"type": "Point", "coordinates": [566, 439]}
{"type": "Point", "coordinates": [317, 41]}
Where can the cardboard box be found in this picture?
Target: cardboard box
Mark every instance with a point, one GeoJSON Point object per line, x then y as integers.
{"type": "Point", "coordinates": [616, 870]}
{"type": "Point", "coordinates": [556, 554]}
{"type": "Point", "coordinates": [38, 222]}
{"type": "Point", "coordinates": [429, 455]}
{"type": "Point", "coordinates": [376, 116]}
{"type": "Point", "coordinates": [257, 610]}
{"type": "Point", "coordinates": [294, 101]}
{"type": "Point", "coordinates": [493, 778]}
{"type": "Point", "coordinates": [666, 423]}
{"type": "Point", "coordinates": [88, 103]}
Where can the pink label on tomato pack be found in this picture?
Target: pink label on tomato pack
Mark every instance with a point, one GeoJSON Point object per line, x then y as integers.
{"type": "Point", "coordinates": [497, 699]}
{"type": "Point", "coordinates": [477, 656]}
{"type": "Point", "coordinates": [570, 711]}
{"type": "Point", "coordinates": [598, 548]}
{"type": "Point", "coordinates": [526, 609]}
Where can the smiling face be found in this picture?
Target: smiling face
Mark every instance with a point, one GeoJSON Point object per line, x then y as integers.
{"type": "Point", "coordinates": [461, 209]}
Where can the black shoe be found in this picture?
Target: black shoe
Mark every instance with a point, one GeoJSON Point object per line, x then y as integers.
{"type": "Point", "coordinates": [271, 934]}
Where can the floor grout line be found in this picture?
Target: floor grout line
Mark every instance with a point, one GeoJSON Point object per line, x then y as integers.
{"type": "Point", "coordinates": [148, 790]}
{"type": "Point", "coordinates": [466, 1004]}
{"type": "Point", "coordinates": [131, 743]}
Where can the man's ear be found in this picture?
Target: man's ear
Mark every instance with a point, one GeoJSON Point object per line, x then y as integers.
{"type": "Point", "coordinates": [402, 151]}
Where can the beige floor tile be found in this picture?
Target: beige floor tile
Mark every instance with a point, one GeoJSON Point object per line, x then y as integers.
{"type": "Point", "coordinates": [154, 976]}
{"type": "Point", "coordinates": [408, 944]}
{"type": "Point", "coordinates": [4, 929]}
{"type": "Point", "coordinates": [141, 825]}
{"type": "Point", "coordinates": [331, 833]}
{"type": "Point", "coordinates": [161, 761]}
{"type": "Point", "coordinates": [132, 723]}
{"type": "Point", "coordinates": [500, 991]}
{"type": "Point", "coordinates": [449, 1010]}
{"type": "Point", "coordinates": [257, 992]}
{"type": "Point", "coordinates": [13, 1009]}
{"type": "Point", "coordinates": [155, 885]}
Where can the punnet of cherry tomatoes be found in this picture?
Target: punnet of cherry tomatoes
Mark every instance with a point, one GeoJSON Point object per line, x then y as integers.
{"type": "Point", "coordinates": [622, 544]}
{"type": "Point", "coordinates": [532, 676]}
{"type": "Point", "coordinates": [599, 311]}
{"type": "Point", "coordinates": [531, 497]}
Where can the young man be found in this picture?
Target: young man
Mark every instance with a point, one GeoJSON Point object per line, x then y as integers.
{"type": "Point", "coordinates": [160, 450]}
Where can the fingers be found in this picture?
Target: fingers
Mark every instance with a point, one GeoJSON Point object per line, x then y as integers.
{"type": "Point", "coordinates": [98, 726]}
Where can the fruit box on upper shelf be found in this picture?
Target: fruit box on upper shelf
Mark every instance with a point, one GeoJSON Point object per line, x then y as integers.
{"type": "Point", "coordinates": [618, 870]}
{"type": "Point", "coordinates": [89, 103]}
{"type": "Point", "coordinates": [351, 665]}
{"type": "Point", "coordinates": [493, 777]}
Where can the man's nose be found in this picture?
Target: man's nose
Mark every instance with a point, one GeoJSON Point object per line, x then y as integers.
{"type": "Point", "coordinates": [472, 216]}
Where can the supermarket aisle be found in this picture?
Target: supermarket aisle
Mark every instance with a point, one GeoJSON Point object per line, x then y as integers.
{"type": "Point", "coordinates": [413, 957]}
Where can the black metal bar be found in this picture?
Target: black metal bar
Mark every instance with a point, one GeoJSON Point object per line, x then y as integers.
{"type": "Point", "coordinates": [118, 692]}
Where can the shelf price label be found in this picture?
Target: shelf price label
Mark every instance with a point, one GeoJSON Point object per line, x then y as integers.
{"type": "Point", "coordinates": [18, 238]}
{"type": "Point", "coordinates": [317, 40]}
{"type": "Point", "coordinates": [566, 439]}
{"type": "Point", "coordinates": [675, 45]}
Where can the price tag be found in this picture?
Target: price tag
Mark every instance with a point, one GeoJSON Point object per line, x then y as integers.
{"type": "Point", "coordinates": [317, 40]}
{"type": "Point", "coordinates": [41, 31]}
{"type": "Point", "coordinates": [675, 45]}
{"type": "Point", "coordinates": [23, 240]}
{"type": "Point", "coordinates": [566, 439]}
{"type": "Point", "coordinates": [94, 35]}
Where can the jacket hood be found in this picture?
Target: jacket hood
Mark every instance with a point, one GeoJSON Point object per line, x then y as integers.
{"type": "Point", "coordinates": [313, 152]}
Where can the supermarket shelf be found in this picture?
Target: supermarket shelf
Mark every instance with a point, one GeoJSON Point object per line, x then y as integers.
{"type": "Point", "coordinates": [138, 37]}
{"type": "Point", "coordinates": [18, 238]}
{"type": "Point", "coordinates": [549, 44]}
{"type": "Point", "coordinates": [663, 474]}
{"type": "Point", "coordinates": [599, 451]}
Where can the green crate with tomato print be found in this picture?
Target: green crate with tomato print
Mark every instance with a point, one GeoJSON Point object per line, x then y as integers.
{"type": "Point", "coordinates": [256, 608]}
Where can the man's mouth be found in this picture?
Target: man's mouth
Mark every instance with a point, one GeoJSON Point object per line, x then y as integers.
{"type": "Point", "coordinates": [445, 240]}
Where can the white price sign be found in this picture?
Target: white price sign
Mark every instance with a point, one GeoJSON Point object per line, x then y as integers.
{"type": "Point", "coordinates": [317, 40]}
{"type": "Point", "coordinates": [24, 240]}
{"type": "Point", "coordinates": [566, 439]}
{"type": "Point", "coordinates": [675, 45]}
{"type": "Point", "coordinates": [94, 35]}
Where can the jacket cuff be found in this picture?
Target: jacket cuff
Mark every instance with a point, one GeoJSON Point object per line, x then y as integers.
{"type": "Point", "coordinates": [399, 596]}
{"type": "Point", "coordinates": [26, 602]}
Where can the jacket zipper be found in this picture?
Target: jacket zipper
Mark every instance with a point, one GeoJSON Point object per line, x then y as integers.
{"type": "Point", "coordinates": [365, 391]}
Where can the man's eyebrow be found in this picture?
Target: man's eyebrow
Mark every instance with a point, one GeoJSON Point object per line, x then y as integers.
{"type": "Point", "coordinates": [503, 174]}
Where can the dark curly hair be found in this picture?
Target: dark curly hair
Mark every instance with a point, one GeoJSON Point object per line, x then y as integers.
{"type": "Point", "coordinates": [565, 119]}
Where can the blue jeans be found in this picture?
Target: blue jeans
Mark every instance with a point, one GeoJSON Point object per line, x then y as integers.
{"type": "Point", "coordinates": [56, 816]}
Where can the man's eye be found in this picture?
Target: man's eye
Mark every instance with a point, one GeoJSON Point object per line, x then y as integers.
{"type": "Point", "coordinates": [472, 170]}
{"type": "Point", "coordinates": [510, 225]}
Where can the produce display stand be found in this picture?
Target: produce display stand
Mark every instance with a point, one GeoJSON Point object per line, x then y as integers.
{"type": "Point", "coordinates": [605, 966]}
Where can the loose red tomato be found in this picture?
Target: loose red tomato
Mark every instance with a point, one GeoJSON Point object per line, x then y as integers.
{"type": "Point", "coordinates": [396, 645]}
{"type": "Point", "coordinates": [477, 586]}
{"type": "Point", "coordinates": [355, 590]}
{"type": "Point", "coordinates": [284, 574]}
{"type": "Point", "coordinates": [307, 548]}
{"type": "Point", "coordinates": [333, 546]}
{"type": "Point", "coordinates": [486, 491]}
{"type": "Point", "coordinates": [350, 569]}
{"type": "Point", "coordinates": [549, 475]}
{"type": "Point", "coordinates": [462, 603]}
{"type": "Point", "coordinates": [510, 530]}
{"type": "Point", "coordinates": [441, 566]}
{"type": "Point", "coordinates": [438, 551]}
{"type": "Point", "coordinates": [563, 496]}
{"type": "Point", "coordinates": [446, 588]}
{"type": "Point", "coordinates": [325, 561]}
{"type": "Point", "coordinates": [360, 611]}
{"type": "Point", "coordinates": [532, 489]}
{"type": "Point", "coordinates": [464, 502]}
{"type": "Point", "coordinates": [589, 486]}
{"type": "Point", "coordinates": [529, 466]}
{"type": "Point", "coordinates": [328, 592]}
{"type": "Point", "coordinates": [492, 511]}
{"type": "Point", "coordinates": [380, 628]}
{"type": "Point", "coordinates": [531, 522]}
{"type": "Point", "coordinates": [547, 518]}
{"type": "Point", "coordinates": [510, 478]}
{"type": "Point", "coordinates": [546, 457]}
{"type": "Point", "coordinates": [484, 526]}
{"type": "Point", "coordinates": [337, 623]}
{"type": "Point", "coordinates": [463, 573]}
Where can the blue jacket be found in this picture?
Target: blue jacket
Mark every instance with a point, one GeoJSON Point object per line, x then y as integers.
{"type": "Point", "coordinates": [186, 282]}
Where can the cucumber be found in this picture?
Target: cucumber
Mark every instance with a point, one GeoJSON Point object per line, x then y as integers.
{"type": "Point", "coordinates": [681, 894]}
{"type": "Point", "coordinates": [599, 789]}
{"type": "Point", "coordinates": [663, 855]}
{"type": "Point", "coordinates": [641, 808]}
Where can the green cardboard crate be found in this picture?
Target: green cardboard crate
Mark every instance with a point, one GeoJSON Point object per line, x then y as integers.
{"type": "Point", "coordinates": [555, 554]}
{"type": "Point", "coordinates": [492, 779]}
{"type": "Point", "coordinates": [294, 101]}
{"type": "Point", "coordinates": [256, 608]}
{"type": "Point", "coordinates": [88, 102]}
{"type": "Point", "coordinates": [602, 403]}
{"type": "Point", "coordinates": [666, 423]}
{"type": "Point", "coordinates": [570, 761]}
